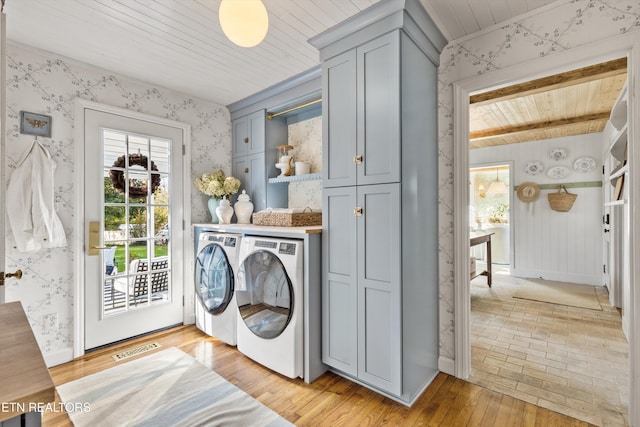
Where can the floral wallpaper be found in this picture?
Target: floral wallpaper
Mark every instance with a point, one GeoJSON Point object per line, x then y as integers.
{"type": "Point", "coordinates": [306, 138]}
{"type": "Point", "coordinates": [41, 82]}
{"type": "Point", "coordinates": [570, 24]}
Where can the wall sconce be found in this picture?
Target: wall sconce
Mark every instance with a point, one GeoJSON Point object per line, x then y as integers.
{"type": "Point", "coordinates": [244, 22]}
{"type": "Point", "coordinates": [481, 191]}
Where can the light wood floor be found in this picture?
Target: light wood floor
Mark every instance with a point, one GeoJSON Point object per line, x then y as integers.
{"type": "Point", "coordinates": [330, 400]}
{"type": "Point", "coordinates": [568, 359]}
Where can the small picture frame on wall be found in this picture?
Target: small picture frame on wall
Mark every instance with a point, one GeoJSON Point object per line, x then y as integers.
{"type": "Point", "coordinates": [35, 124]}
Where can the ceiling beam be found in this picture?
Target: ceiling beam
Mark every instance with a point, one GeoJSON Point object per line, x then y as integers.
{"type": "Point", "coordinates": [556, 81]}
{"type": "Point", "coordinates": [548, 124]}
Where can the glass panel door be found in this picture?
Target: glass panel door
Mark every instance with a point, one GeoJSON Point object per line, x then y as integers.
{"type": "Point", "coordinates": [136, 221]}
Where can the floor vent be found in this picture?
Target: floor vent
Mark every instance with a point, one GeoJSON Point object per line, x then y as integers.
{"type": "Point", "coordinates": [135, 351]}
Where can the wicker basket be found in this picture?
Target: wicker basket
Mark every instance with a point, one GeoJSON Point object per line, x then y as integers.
{"type": "Point", "coordinates": [561, 202]}
{"type": "Point", "coordinates": [295, 219]}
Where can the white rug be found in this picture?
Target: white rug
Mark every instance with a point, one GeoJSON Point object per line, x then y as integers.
{"type": "Point", "coordinates": [167, 388]}
{"type": "Point", "coordinates": [563, 293]}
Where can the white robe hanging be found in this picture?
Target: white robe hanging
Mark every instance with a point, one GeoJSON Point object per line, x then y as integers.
{"type": "Point", "coordinates": [30, 202]}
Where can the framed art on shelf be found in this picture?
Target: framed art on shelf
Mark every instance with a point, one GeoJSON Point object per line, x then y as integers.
{"type": "Point", "coordinates": [35, 124]}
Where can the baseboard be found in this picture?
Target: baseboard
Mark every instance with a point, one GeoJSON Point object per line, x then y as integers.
{"type": "Point", "coordinates": [447, 365]}
{"type": "Point", "coordinates": [58, 357]}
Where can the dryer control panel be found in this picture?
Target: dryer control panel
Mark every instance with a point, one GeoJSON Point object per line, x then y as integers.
{"type": "Point", "coordinates": [287, 249]}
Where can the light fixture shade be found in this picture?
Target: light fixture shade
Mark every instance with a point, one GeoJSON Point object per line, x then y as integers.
{"type": "Point", "coordinates": [244, 22]}
{"type": "Point", "coordinates": [497, 187]}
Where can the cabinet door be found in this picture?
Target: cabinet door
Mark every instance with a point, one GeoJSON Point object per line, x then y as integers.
{"type": "Point", "coordinates": [379, 110]}
{"type": "Point", "coordinates": [379, 284]}
{"type": "Point", "coordinates": [249, 134]}
{"type": "Point", "coordinates": [339, 285]}
{"type": "Point", "coordinates": [257, 132]}
{"type": "Point", "coordinates": [339, 120]}
{"type": "Point", "coordinates": [240, 130]}
{"type": "Point", "coordinates": [240, 170]}
{"type": "Point", "coordinates": [257, 181]}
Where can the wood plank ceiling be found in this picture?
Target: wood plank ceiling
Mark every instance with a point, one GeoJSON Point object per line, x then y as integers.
{"type": "Point", "coordinates": [571, 103]}
{"type": "Point", "coordinates": [178, 44]}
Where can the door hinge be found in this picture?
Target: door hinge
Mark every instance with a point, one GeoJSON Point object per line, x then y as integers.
{"type": "Point", "coordinates": [604, 268]}
{"type": "Point", "coordinates": [183, 225]}
{"type": "Point", "coordinates": [602, 169]}
{"type": "Point", "coordinates": [183, 300]}
{"type": "Point", "coordinates": [184, 150]}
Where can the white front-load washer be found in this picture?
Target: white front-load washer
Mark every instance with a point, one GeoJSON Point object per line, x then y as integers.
{"type": "Point", "coordinates": [215, 281]}
{"type": "Point", "coordinates": [269, 294]}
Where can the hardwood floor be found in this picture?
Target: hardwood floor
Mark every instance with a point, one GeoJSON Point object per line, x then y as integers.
{"type": "Point", "coordinates": [330, 400]}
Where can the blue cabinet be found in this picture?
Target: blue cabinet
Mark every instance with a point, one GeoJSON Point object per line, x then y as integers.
{"type": "Point", "coordinates": [249, 134]}
{"type": "Point", "coordinates": [362, 111]}
{"type": "Point", "coordinates": [380, 198]}
{"type": "Point", "coordinates": [361, 292]}
{"type": "Point", "coordinates": [254, 157]}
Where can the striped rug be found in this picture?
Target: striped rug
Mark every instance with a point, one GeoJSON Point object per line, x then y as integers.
{"type": "Point", "coordinates": [167, 388]}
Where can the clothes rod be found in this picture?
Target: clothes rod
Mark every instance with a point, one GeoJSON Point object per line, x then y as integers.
{"type": "Point", "coordinates": [306, 104]}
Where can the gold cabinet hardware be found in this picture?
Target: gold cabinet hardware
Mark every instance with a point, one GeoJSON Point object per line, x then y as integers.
{"type": "Point", "coordinates": [17, 275]}
{"type": "Point", "coordinates": [246, 170]}
{"type": "Point", "coordinates": [246, 140]}
{"type": "Point", "coordinates": [357, 159]}
{"type": "Point", "coordinates": [358, 211]}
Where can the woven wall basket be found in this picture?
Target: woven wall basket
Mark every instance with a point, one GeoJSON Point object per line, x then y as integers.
{"type": "Point", "coordinates": [561, 202]}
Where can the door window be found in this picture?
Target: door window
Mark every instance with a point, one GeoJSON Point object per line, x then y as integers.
{"type": "Point", "coordinates": [136, 196]}
{"type": "Point", "coordinates": [264, 294]}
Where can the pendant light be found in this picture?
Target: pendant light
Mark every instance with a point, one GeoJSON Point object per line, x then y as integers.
{"type": "Point", "coordinates": [244, 22]}
{"type": "Point", "coordinates": [497, 186]}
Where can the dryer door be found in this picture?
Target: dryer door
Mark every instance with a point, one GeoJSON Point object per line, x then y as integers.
{"type": "Point", "coordinates": [264, 294]}
{"type": "Point", "coordinates": [214, 279]}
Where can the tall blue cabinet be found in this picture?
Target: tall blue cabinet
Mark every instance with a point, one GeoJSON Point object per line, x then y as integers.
{"type": "Point", "coordinates": [380, 198]}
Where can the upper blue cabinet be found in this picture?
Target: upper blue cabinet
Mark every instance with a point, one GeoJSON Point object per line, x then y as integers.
{"type": "Point", "coordinates": [249, 134]}
{"type": "Point", "coordinates": [362, 114]}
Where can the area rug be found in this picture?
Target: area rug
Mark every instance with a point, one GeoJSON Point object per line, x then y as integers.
{"type": "Point", "coordinates": [167, 388]}
{"type": "Point", "coordinates": [563, 293]}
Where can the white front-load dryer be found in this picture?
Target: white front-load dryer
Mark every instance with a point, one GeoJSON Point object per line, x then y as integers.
{"type": "Point", "coordinates": [269, 294]}
{"type": "Point", "coordinates": [215, 282]}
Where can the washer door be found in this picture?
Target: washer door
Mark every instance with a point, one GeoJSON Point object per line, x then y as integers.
{"type": "Point", "coordinates": [214, 279]}
{"type": "Point", "coordinates": [264, 294]}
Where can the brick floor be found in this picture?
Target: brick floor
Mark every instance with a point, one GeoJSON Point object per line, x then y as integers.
{"type": "Point", "coordinates": [568, 359]}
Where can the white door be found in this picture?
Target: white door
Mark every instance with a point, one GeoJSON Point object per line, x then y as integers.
{"type": "Point", "coordinates": [133, 232]}
{"type": "Point", "coordinates": [2, 177]}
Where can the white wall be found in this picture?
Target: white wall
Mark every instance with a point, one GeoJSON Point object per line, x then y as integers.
{"type": "Point", "coordinates": [564, 246]}
{"type": "Point", "coordinates": [43, 82]}
{"type": "Point", "coordinates": [558, 27]}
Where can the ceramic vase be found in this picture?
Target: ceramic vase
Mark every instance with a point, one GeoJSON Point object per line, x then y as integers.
{"type": "Point", "coordinates": [224, 211]}
{"type": "Point", "coordinates": [243, 208]}
{"type": "Point", "coordinates": [212, 204]}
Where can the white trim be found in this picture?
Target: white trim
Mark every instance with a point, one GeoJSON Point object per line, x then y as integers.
{"type": "Point", "coordinates": [604, 50]}
{"type": "Point", "coordinates": [447, 365]}
{"type": "Point", "coordinates": [80, 106]}
{"type": "Point", "coordinates": [58, 357]}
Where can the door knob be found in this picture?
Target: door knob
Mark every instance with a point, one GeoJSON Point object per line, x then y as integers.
{"type": "Point", "coordinates": [246, 140]}
{"type": "Point", "coordinates": [358, 211]}
{"type": "Point", "coordinates": [357, 159]}
{"type": "Point", "coordinates": [17, 275]}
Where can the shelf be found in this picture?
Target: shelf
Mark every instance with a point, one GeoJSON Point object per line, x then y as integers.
{"type": "Point", "coordinates": [619, 144]}
{"type": "Point", "coordinates": [616, 203]}
{"type": "Point", "coordinates": [619, 172]}
{"type": "Point", "coordinates": [296, 178]}
{"type": "Point", "coordinates": [618, 117]}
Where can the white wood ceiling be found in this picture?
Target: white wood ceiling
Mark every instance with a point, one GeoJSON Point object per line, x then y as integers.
{"type": "Point", "coordinates": [178, 44]}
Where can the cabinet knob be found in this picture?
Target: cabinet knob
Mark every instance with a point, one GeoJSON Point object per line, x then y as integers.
{"type": "Point", "coordinates": [246, 170]}
{"type": "Point", "coordinates": [357, 159]}
{"type": "Point", "coordinates": [358, 211]}
{"type": "Point", "coordinates": [246, 140]}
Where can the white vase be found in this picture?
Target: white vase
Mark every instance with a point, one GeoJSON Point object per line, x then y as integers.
{"type": "Point", "coordinates": [243, 208]}
{"type": "Point", "coordinates": [224, 211]}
